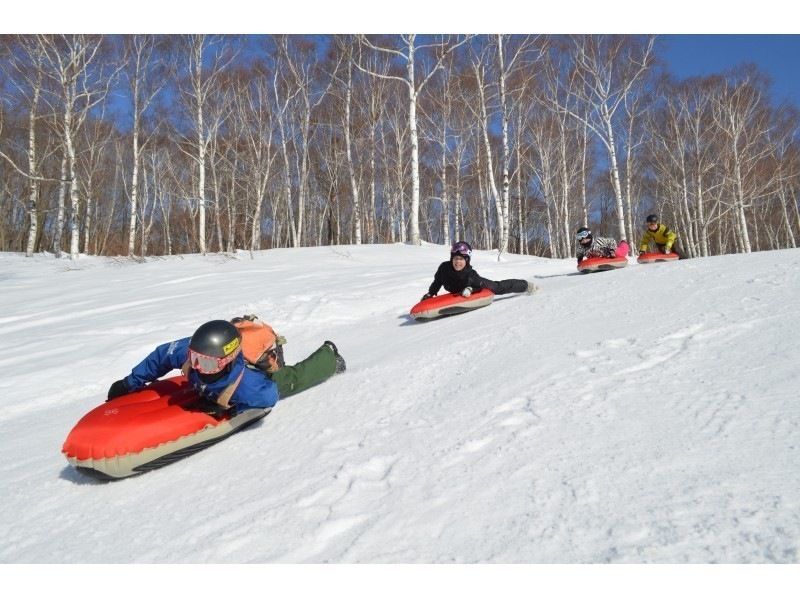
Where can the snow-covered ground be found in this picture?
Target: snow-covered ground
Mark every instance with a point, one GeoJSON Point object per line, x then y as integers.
{"type": "Point", "coordinates": [645, 415]}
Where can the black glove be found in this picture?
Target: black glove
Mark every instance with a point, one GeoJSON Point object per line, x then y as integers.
{"type": "Point", "coordinates": [119, 388]}
{"type": "Point", "coordinates": [426, 296]}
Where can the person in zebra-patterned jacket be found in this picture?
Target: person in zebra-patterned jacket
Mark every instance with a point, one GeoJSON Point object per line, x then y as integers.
{"type": "Point", "coordinates": [591, 246]}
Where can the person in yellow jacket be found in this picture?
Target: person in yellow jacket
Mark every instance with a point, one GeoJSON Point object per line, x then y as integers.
{"type": "Point", "coordinates": [659, 235]}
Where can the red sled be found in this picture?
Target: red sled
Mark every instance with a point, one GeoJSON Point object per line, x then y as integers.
{"type": "Point", "coordinates": [599, 264]}
{"type": "Point", "coordinates": [150, 428]}
{"type": "Point", "coordinates": [649, 258]}
{"type": "Point", "coordinates": [450, 304]}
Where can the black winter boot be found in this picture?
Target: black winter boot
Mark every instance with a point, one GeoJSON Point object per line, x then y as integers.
{"type": "Point", "coordinates": [340, 363]}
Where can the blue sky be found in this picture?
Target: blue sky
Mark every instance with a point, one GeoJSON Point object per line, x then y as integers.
{"type": "Point", "coordinates": [777, 55]}
{"type": "Point", "coordinates": [736, 32]}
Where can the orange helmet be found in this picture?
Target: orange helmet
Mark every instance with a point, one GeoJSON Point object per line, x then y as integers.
{"type": "Point", "coordinates": [257, 337]}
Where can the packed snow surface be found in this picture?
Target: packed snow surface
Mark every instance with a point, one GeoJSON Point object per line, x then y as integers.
{"type": "Point", "coordinates": [643, 415]}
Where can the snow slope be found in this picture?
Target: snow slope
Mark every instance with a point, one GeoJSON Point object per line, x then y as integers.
{"type": "Point", "coordinates": [646, 415]}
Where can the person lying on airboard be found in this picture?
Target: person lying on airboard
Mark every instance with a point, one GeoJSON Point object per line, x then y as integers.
{"type": "Point", "coordinates": [213, 361]}
{"type": "Point", "coordinates": [665, 240]}
{"type": "Point", "coordinates": [457, 276]}
{"type": "Point", "coordinates": [591, 246]}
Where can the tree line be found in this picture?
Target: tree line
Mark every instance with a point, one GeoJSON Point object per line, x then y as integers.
{"type": "Point", "coordinates": [144, 145]}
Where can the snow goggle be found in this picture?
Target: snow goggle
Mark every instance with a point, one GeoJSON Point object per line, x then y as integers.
{"type": "Point", "coordinates": [461, 248]}
{"type": "Point", "coordinates": [266, 355]}
{"type": "Point", "coordinates": [583, 235]}
{"type": "Point", "coordinates": [206, 364]}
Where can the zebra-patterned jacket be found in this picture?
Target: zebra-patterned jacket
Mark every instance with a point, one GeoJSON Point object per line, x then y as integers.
{"type": "Point", "coordinates": [600, 247]}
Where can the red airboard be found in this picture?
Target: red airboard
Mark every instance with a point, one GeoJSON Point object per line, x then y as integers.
{"type": "Point", "coordinates": [649, 258]}
{"type": "Point", "coordinates": [137, 421]}
{"type": "Point", "coordinates": [148, 429]}
{"type": "Point", "coordinates": [450, 304]}
{"type": "Point", "coordinates": [598, 264]}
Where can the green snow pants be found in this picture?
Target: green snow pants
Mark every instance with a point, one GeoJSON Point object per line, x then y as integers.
{"type": "Point", "coordinates": [316, 368]}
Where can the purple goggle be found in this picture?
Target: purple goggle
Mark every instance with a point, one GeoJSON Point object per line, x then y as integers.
{"type": "Point", "coordinates": [583, 235]}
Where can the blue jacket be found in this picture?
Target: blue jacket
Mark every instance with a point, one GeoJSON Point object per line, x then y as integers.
{"type": "Point", "coordinates": [255, 390]}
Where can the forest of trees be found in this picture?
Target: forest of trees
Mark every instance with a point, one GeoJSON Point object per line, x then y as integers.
{"type": "Point", "coordinates": [143, 145]}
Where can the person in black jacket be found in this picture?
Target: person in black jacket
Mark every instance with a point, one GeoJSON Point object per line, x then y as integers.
{"type": "Point", "coordinates": [457, 276]}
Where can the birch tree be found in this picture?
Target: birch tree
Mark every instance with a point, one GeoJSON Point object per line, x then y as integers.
{"type": "Point", "coordinates": [146, 78]}
{"type": "Point", "coordinates": [405, 54]}
{"type": "Point", "coordinates": [83, 81]}
{"type": "Point", "coordinates": [94, 162]}
{"type": "Point", "coordinates": [609, 68]}
{"type": "Point", "coordinates": [482, 113]}
{"type": "Point", "coordinates": [739, 113]}
{"type": "Point", "coordinates": [202, 83]}
{"type": "Point", "coordinates": [395, 181]}
{"type": "Point", "coordinates": [376, 89]}
{"type": "Point", "coordinates": [509, 59]}
{"type": "Point", "coordinates": [437, 115]}
{"type": "Point", "coordinates": [253, 112]}
{"type": "Point", "coordinates": [297, 66]}
{"type": "Point", "coordinates": [345, 47]}
{"type": "Point", "coordinates": [555, 148]}
{"type": "Point", "coordinates": [28, 66]}
{"type": "Point", "coordinates": [785, 147]}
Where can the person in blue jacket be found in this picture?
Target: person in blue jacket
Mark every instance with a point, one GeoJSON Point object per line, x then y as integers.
{"type": "Point", "coordinates": [213, 362]}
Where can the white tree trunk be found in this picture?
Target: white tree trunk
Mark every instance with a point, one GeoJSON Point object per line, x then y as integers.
{"type": "Point", "coordinates": [498, 204]}
{"type": "Point", "coordinates": [132, 209]}
{"type": "Point", "coordinates": [523, 245]}
{"type": "Point", "coordinates": [783, 199]}
{"type": "Point", "coordinates": [504, 230]}
{"type": "Point", "coordinates": [33, 212]}
{"type": "Point", "coordinates": [443, 176]}
{"type": "Point", "coordinates": [740, 214]}
{"type": "Point", "coordinates": [201, 145]}
{"type": "Point", "coordinates": [629, 183]}
{"type": "Point", "coordinates": [612, 157]}
{"type": "Point", "coordinates": [458, 227]}
{"type": "Point", "coordinates": [201, 183]}
{"type": "Point", "coordinates": [412, 126]}
{"type": "Point", "coordinates": [701, 217]}
{"type": "Point", "coordinates": [303, 190]}
{"type": "Point", "coordinates": [88, 220]}
{"type": "Point", "coordinates": [74, 250]}
{"type": "Point", "coordinates": [584, 151]}
{"type": "Point", "coordinates": [373, 215]}
{"type": "Point", "coordinates": [62, 196]}
{"type": "Point", "coordinates": [350, 166]}
{"type": "Point", "coordinates": [215, 185]}
{"type": "Point", "coordinates": [565, 233]}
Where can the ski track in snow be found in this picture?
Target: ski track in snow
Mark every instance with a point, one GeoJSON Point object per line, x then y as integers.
{"type": "Point", "coordinates": [647, 414]}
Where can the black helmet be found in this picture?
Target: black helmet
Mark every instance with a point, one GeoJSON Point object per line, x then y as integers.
{"type": "Point", "coordinates": [583, 234]}
{"type": "Point", "coordinates": [214, 346]}
{"type": "Point", "coordinates": [652, 218]}
{"type": "Point", "coordinates": [461, 248]}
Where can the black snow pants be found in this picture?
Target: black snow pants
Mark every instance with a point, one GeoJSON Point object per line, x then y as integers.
{"type": "Point", "coordinates": [502, 287]}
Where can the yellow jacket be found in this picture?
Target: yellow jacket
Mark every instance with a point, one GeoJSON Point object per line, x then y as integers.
{"type": "Point", "coordinates": [661, 236]}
